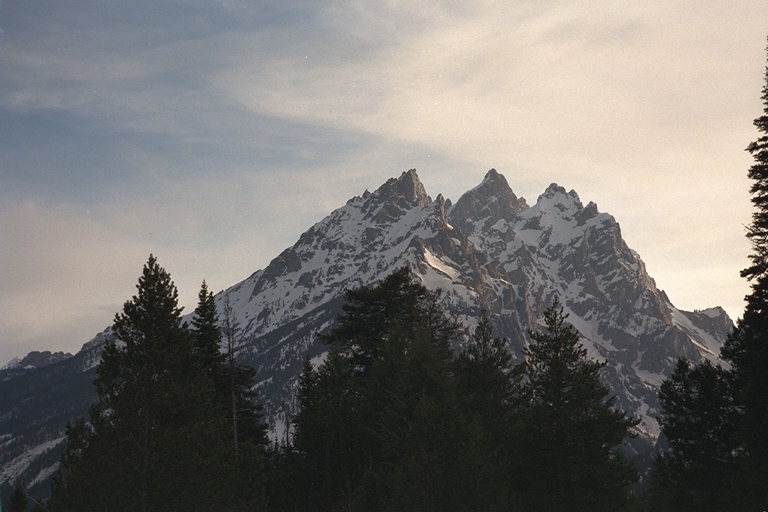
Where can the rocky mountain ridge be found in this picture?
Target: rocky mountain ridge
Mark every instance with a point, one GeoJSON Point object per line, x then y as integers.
{"type": "Point", "coordinates": [489, 250]}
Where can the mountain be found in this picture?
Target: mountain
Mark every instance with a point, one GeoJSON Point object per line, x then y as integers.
{"type": "Point", "coordinates": [32, 360]}
{"type": "Point", "coordinates": [490, 250]}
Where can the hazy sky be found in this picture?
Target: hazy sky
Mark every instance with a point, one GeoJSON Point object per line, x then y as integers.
{"type": "Point", "coordinates": [212, 133]}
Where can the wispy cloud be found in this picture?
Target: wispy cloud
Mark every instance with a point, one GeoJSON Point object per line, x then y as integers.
{"type": "Point", "coordinates": [213, 133]}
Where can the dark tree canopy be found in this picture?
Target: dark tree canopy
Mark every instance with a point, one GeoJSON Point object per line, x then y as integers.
{"type": "Point", "coordinates": [747, 348]}
{"type": "Point", "coordinates": [701, 427]}
{"type": "Point", "coordinates": [19, 501]}
{"type": "Point", "coordinates": [394, 419]}
{"type": "Point", "coordinates": [379, 423]}
{"type": "Point", "coordinates": [233, 383]}
{"type": "Point", "coordinates": [568, 433]}
{"type": "Point", "coordinates": [715, 419]}
{"type": "Point", "coordinates": [155, 441]}
{"type": "Point", "coordinates": [205, 326]}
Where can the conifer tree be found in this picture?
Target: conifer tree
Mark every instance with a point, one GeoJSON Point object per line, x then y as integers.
{"type": "Point", "coordinates": [485, 391]}
{"type": "Point", "coordinates": [700, 423]}
{"type": "Point", "coordinates": [205, 325]}
{"type": "Point", "coordinates": [567, 434]}
{"type": "Point", "coordinates": [233, 382]}
{"type": "Point", "coordinates": [234, 399]}
{"type": "Point", "coordinates": [19, 501]}
{"type": "Point", "coordinates": [245, 414]}
{"type": "Point", "coordinates": [418, 435]}
{"type": "Point", "coordinates": [378, 423]}
{"type": "Point", "coordinates": [155, 442]}
{"type": "Point", "coordinates": [715, 419]}
{"type": "Point", "coordinates": [747, 347]}
{"type": "Point", "coordinates": [484, 374]}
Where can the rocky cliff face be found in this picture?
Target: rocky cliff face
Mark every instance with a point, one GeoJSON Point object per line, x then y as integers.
{"type": "Point", "coordinates": [490, 250]}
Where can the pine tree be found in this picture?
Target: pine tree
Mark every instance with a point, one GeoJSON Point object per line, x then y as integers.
{"type": "Point", "coordinates": [485, 391]}
{"type": "Point", "coordinates": [397, 304]}
{"type": "Point", "coordinates": [330, 441]}
{"type": "Point", "coordinates": [155, 442]}
{"type": "Point", "coordinates": [19, 501]}
{"type": "Point", "coordinates": [484, 374]}
{"type": "Point", "coordinates": [378, 423]}
{"type": "Point", "coordinates": [567, 434]}
{"type": "Point", "coordinates": [205, 326]}
{"type": "Point", "coordinates": [244, 414]}
{"type": "Point", "coordinates": [747, 347]}
{"type": "Point", "coordinates": [234, 399]}
{"type": "Point", "coordinates": [233, 382]}
{"type": "Point", "coordinates": [700, 422]}
{"type": "Point", "coordinates": [715, 420]}
{"type": "Point", "coordinates": [412, 399]}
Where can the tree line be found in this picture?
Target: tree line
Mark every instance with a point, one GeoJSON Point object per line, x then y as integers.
{"type": "Point", "coordinates": [174, 426]}
{"type": "Point", "coordinates": [394, 419]}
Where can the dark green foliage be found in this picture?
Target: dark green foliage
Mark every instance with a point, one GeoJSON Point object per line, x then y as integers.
{"type": "Point", "coordinates": [378, 425]}
{"type": "Point", "coordinates": [234, 397]}
{"type": "Point", "coordinates": [747, 348]}
{"type": "Point", "coordinates": [395, 420]}
{"type": "Point", "coordinates": [716, 420]}
{"type": "Point", "coordinates": [205, 326]}
{"type": "Point", "coordinates": [374, 315]}
{"type": "Point", "coordinates": [485, 390]}
{"type": "Point", "coordinates": [701, 423]}
{"type": "Point", "coordinates": [758, 230]}
{"type": "Point", "coordinates": [155, 441]}
{"type": "Point", "coordinates": [567, 435]}
{"type": "Point", "coordinates": [19, 501]}
{"type": "Point", "coordinates": [418, 424]}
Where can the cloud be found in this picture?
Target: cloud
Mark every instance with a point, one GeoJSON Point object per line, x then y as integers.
{"type": "Point", "coordinates": [625, 102]}
{"type": "Point", "coordinates": [214, 133]}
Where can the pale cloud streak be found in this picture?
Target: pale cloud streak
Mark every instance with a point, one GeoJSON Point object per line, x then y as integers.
{"type": "Point", "coordinates": [639, 106]}
{"type": "Point", "coordinates": [214, 133]}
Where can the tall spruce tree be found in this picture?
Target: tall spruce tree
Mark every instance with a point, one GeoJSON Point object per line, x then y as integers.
{"type": "Point", "coordinates": [567, 434]}
{"type": "Point", "coordinates": [234, 398]}
{"type": "Point", "coordinates": [233, 382]}
{"type": "Point", "coordinates": [701, 425]}
{"type": "Point", "coordinates": [747, 348]}
{"type": "Point", "coordinates": [716, 419]}
{"type": "Point", "coordinates": [205, 326]}
{"type": "Point", "coordinates": [485, 391]}
{"type": "Point", "coordinates": [155, 442]}
{"type": "Point", "coordinates": [378, 423]}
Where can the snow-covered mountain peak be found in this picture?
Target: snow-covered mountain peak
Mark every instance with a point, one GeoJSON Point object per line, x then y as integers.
{"type": "Point", "coordinates": [555, 196]}
{"type": "Point", "coordinates": [481, 208]}
{"type": "Point", "coordinates": [490, 250]}
{"type": "Point", "coordinates": [395, 197]}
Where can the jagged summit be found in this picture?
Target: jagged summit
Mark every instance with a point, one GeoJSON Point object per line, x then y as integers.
{"type": "Point", "coordinates": [556, 193]}
{"type": "Point", "coordinates": [489, 250]}
{"type": "Point", "coordinates": [486, 204]}
{"type": "Point", "coordinates": [395, 196]}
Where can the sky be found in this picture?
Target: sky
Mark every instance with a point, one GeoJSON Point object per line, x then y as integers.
{"type": "Point", "coordinates": [212, 133]}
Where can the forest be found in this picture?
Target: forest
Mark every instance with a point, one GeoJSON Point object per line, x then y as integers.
{"type": "Point", "coordinates": [393, 419]}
